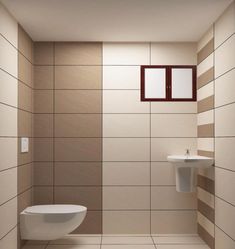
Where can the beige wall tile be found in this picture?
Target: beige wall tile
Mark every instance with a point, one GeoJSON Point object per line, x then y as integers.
{"type": "Point", "coordinates": [24, 70]}
{"type": "Point", "coordinates": [130, 102]}
{"type": "Point", "coordinates": [225, 184]}
{"type": "Point", "coordinates": [205, 104]}
{"type": "Point", "coordinates": [90, 197]}
{"type": "Point", "coordinates": [24, 177]}
{"type": "Point", "coordinates": [224, 217]}
{"type": "Point", "coordinates": [205, 223]}
{"type": "Point", "coordinates": [173, 125]}
{"type": "Point", "coordinates": [78, 173]}
{"type": "Point", "coordinates": [43, 53]}
{"type": "Point", "coordinates": [124, 198]}
{"type": "Point", "coordinates": [43, 173]}
{"type": "Point", "coordinates": [224, 59]}
{"type": "Point", "coordinates": [222, 240]}
{"type": "Point", "coordinates": [78, 125]}
{"type": "Point", "coordinates": [43, 125]}
{"type": "Point", "coordinates": [173, 222]}
{"type": "Point", "coordinates": [8, 184]}
{"type": "Point", "coordinates": [210, 174]}
{"type": "Point", "coordinates": [205, 65]}
{"type": "Point", "coordinates": [206, 130]}
{"type": "Point", "coordinates": [126, 125]}
{"type": "Point", "coordinates": [163, 147]}
{"type": "Point", "coordinates": [222, 116]}
{"type": "Point", "coordinates": [43, 77]}
{"type": "Point", "coordinates": [43, 149]}
{"type": "Point", "coordinates": [126, 53]}
{"type": "Point", "coordinates": [166, 198]}
{"type": "Point", "coordinates": [205, 51]}
{"type": "Point", "coordinates": [8, 89]}
{"type": "Point", "coordinates": [205, 77]}
{"type": "Point", "coordinates": [24, 200]}
{"type": "Point", "coordinates": [224, 156]}
{"type": "Point", "coordinates": [78, 53]}
{"type": "Point", "coordinates": [42, 195]}
{"type": "Point", "coordinates": [8, 124]}
{"type": "Point", "coordinates": [131, 222]}
{"type": "Point", "coordinates": [43, 101]}
{"type": "Point", "coordinates": [8, 216]}
{"type": "Point", "coordinates": [225, 25]}
{"type": "Point", "coordinates": [25, 44]}
{"type": "Point", "coordinates": [24, 97]}
{"type": "Point", "coordinates": [8, 148]}
{"type": "Point", "coordinates": [173, 53]}
{"type": "Point", "coordinates": [225, 89]}
{"type": "Point", "coordinates": [78, 149]}
{"type": "Point", "coordinates": [126, 173]}
{"type": "Point", "coordinates": [173, 107]}
{"type": "Point", "coordinates": [121, 77]}
{"type": "Point", "coordinates": [206, 197]}
{"type": "Point", "coordinates": [205, 91]}
{"type": "Point", "coordinates": [162, 173]}
{"type": "Point", "coordinates": [78, 77]}
{"type": "Point", "coordinates": [209, 34]}
{"type": "Point", "coordinates": [10, 240]}
{"type": "Point", "coordinates": [9, 58]}
{"type": "Point", "coordinates": [126, 149]}
{"type": "Point", "coordinates": [24, 124]}
{"type": "Point", "coordinates": [80, 101]}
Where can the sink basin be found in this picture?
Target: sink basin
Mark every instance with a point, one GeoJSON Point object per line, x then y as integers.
{"type": "Point", "coordinates": [186, 170]}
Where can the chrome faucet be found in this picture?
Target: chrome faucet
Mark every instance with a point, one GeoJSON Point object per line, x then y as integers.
{"type": "Point", "coordinates": [187, 152]}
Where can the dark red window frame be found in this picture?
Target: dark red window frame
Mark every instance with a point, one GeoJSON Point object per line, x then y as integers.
{"type": "Point", "coordinates": [168, 83]}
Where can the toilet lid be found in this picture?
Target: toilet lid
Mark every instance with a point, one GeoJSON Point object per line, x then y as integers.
{"type": "Point", "coordinates": [55, 209]}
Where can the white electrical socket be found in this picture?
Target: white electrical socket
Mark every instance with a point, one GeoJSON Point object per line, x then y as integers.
{"type": "Point", "coordinates": [24, 144]}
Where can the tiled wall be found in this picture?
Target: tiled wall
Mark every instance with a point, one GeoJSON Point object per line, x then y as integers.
{"type": "Point", "coordinates": [67, 127]}
{"type": "Point", "coordinates": [139, 193]}
{"type": "Point", "coordinates": [216, 130]}
{"type": "Point", "coordinates": [8, 129]}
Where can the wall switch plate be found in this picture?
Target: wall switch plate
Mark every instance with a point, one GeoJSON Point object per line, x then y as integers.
{"type": "Point", "coordinates": [24, 144]}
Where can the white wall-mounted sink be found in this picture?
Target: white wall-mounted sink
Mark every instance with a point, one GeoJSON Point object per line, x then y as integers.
{"type": "Point", "coordinates": [186, 168]}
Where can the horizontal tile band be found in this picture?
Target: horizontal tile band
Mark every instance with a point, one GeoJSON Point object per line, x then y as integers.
{"type": "Point", "coordinates": [205, 104]}
{"type": "Point", "coordinates": [205, 51]}
{"type": "Point", "coordinates": [206, 183]}
{"type": "Point", "coordinates": [210, 241]}
{"type": "Point", "coordinates": [206, 210]}
{"type": "Point", "coordinates": [205, 78]}
{"type": "Point", "coordinates": [206, 153]}
{"type": "Point", "coordinates": [206, 130]}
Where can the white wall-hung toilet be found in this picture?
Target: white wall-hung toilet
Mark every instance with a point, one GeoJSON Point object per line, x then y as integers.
{"type": "Point", "coordinates": [50, 222]}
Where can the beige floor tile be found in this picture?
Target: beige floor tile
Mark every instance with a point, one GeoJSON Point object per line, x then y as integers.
{"type": "Point", "coordinates": [127, 247]}
{"type": "Point", "coordinates": [178, 240]}
{"type": "Point", "coordinates": [188, 246]}
{"type": "Point", "coordinates": [72, 247]}
{"type": "Point", "coordinates": [78, 240]}
{"type": "Point", "coordinates": [133, 240]}
{"type": "Point", "coordinates": [34, 247]}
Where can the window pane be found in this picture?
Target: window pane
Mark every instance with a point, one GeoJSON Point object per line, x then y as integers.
{"type": "Point", "coordinates": [182, 83]}
{"type": "Point", "coordinates": [155, 83]}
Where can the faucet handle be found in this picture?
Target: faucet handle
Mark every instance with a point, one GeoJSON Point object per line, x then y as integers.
{"type": "Point", "coordinates": [187, 152]}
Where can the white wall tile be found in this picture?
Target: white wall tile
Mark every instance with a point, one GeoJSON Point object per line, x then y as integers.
{"type": "Point", "coordinates": [173, 107]}
{"type": "Point", "coordinates": [10, 240]}
{"type": "Point", "coordinates": [8, 124]}
{"type": "Point", "coordinates": [162, 173]}
{"type": "Point", "coordinates": [8, 148]}
{"type": "Point", "coordinates": [206, 144]}
{"type": "Point", "coordinates": [206, 197]}
{"type": "Point", "coordinates": [205, 118]}
{"type": "Point", "coordinates": [205, 223]}
{"type": "Point", "coordinates": [205, 91]}
{"type": "Point", "coordinates": [205, 65]}
{"type": "Point", "coordinates": [222, 240]}
{"type": "Point", "coordinates": [205, 39]}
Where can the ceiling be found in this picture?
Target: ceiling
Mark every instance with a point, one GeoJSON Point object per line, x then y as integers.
{"type": "Point", "coordinates": [116, 20]}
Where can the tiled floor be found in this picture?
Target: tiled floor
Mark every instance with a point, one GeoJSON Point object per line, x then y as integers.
{"type": "Point", "coordinates": [121, 242]}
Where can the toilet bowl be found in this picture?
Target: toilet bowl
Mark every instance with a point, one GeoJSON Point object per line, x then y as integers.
{"type": "Point", "coordinates": [50, 222]}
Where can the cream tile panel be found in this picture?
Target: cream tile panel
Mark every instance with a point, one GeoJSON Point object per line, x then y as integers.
{"type": "Point", "coordinates": [10, 240]}
{"type": "Point", "coordinates": [205, 144]}
{"type": "Point", "coordinates": [166, 197]}
{"type": "Point", "coordinates": [124, 101]}
{"type": "Point", "coordinates": [181, 239]}
{"type": "Point", "coordinates": [8, 184]}
{"type": "Point", "coordinates": [162, 173]}
{"type": "Point", "coordinates": [132, 222]}
{"type": "Point", "coordinates": [121, 77]}
{"type": "Point", "coordinates": [162, 147]}
{"type": "Point", "coordinates": [8, 124]}
{"type": "Point", "coordinates": [225, 216]}
{"type": "Point", "coordinates": [8, 26]}
{"type": "Point", "coordinates": [204, 222]}
{"type": "Point", "coordinates": [225, 89]}
{"type": "Point", "coordinates": [8, 216]}
{"type": "Point", "coordinates": [126, 173]}
{"type": "Point", "coordinates": [126, 149]}
{"type": "Point", "coordinates": [225, 156]}
{"type": "Point", "coordinates": [225, 25]}
{"type": "Point", "coordinates": [127, 247]}
{"type": "Point", "coordinates": [173, 125]}
{"type": "Point", "coordinates": [222, 240]}
{"type": "Point", "coordinates": [205, 39]}
{"type": "Point", "coordinates": [205, 65]}
{"type": "Point", "coordinates": [126, 125]}
{"type": "Point", "coordinates": [173, 107]}
{"type": "Point", "coordinates": [8, 89]}
{"type": "Point", "coordinates": [173, 222]}
{"type": "Point", "coordinates": [209, 173]}
{"type": "Point", "coordinates": [126, 240]}
{"type": "Point", "coordinates": [8, 148]}
{"type": "Point", "coordinates": [206, 197]}
{"type": "Point", "coordinates": [183, 246]}
{"type": "Point", "coordinates": [8, 58]}
{"type": "Point", "coordinates": [224, 57]}
{"type": "Point", "coordinates": [225, 185]}
{"type": "Point", "coordinates": [124, 198]}
{"type": "Point", "coordinates": [205, 118]}
{"type": "Point", "coordinates": [77, 239]}
{"type": "Point", "coordinates": [225, 121]}
{"type": "Point", "coordinates": [205, 91]}
{"type": "Point", "coordinates": [173, 53]}
{"type": "Point", "coordinates": [126, 53]}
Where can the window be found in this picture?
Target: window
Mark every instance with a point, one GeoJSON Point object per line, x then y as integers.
{"type": "Point", "coordinates": [168, 83]}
